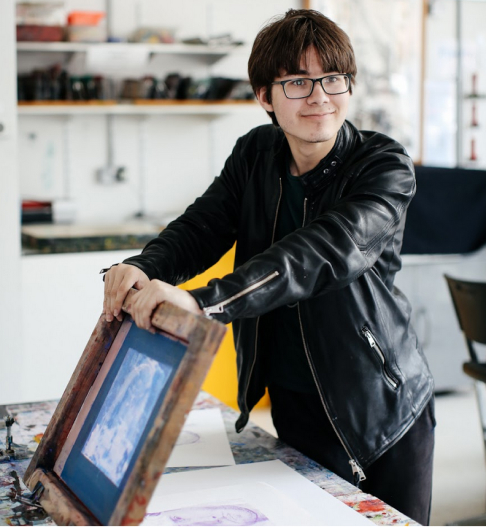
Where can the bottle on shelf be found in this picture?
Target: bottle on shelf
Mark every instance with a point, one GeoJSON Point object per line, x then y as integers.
{"type": "Point", "coordinates": [474, 118]}
{"type": "Point", "coordinates": [473, 154]}
{"type": "Point", "coordinates": [474, 84]}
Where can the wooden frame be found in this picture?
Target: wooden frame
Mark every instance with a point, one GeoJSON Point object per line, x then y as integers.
{"type": "Point", "coordinates": [195, 340]}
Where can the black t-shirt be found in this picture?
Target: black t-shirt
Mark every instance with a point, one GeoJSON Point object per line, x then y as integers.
{"type": "Point", "coordinates": [288, 365]}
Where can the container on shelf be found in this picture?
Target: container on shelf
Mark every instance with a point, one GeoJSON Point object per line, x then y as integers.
{"type": "Point", "coordinates": [85, 18]}
{"type": "Point", "coordinates": [86, 26]}
{"type": "Point", "coordinates": [86, 34]}
{"type": "Point", "coordinates": [38, 33]}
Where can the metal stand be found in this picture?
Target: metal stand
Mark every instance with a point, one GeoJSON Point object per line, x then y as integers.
{"type": "Point", "coordinates": [12, 451]}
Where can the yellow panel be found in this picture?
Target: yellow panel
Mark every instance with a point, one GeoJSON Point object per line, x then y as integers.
{"type": "Point", "coordinates": [222, 381]}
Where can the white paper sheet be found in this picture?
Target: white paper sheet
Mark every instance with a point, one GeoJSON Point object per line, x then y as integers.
{"type": "Point", "coordinates": [111, 59]}
{"type": "Point", "coordinates": [248, 504]}
{"type": "Point", "coordinates": [203, 441]}
{"type": "Point", "coordinates": [263, 493]}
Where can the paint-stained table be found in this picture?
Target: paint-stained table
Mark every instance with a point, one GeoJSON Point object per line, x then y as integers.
{"type": "Point", "coordinates": [252, 445]}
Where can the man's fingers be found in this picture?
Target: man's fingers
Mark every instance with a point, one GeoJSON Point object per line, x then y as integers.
{"type": "Point", "coordinates": [107, 299]}
{"type": "Point", "coordinates": [128, 280]}
{"type": "Point", "coordinates": [143, 304]}
{"type": "Point", "coordinates": [118, 294]}
{"type": "Point", "coordinates": [142, 281]}
{"type": "Point", "coordinates": [141, 312]}
{"type": "Point", "coordinates": [145, 301]}
{"type": "Point", "coordinates": [118, 281]}
{"type": "Point", "coordinates": [111, 291]}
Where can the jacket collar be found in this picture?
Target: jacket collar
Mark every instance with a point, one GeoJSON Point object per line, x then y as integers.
{"type": "Point", "coordinates": [329, 166]}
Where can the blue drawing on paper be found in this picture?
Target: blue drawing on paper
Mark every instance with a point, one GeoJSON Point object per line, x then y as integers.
{"type": "Point", "coordinates": [124, 414]}
{"type": "Point", "coordinates": [210, 515]}
{"type": "Point", "coordinates": [187, 438]}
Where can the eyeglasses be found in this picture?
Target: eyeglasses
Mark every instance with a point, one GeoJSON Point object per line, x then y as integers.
{"type": "Point", "coordinates": [303, 87]}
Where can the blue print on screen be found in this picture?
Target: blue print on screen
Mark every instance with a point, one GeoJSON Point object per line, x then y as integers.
{"type": "Point", "coordinates": [124, 414]}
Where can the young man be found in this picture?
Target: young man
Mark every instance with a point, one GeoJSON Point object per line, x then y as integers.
{"type": "Point", "coordinates": [317, 211]}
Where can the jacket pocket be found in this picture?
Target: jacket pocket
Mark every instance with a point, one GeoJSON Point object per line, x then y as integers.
{"type": "Point", "coordinates": [373, 343]}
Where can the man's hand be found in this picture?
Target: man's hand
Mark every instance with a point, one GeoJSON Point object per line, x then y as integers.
{"type": "Point", "coordinates": [118, 281]}
{"type": "Point", "coordinates": [145, 301]}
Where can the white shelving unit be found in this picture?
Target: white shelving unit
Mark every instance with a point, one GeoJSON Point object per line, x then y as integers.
{"type": "Point", "coordinates": [214, 52]}
{"type": "Point", "coordinates": [470, 138]}
{"type": "Point", "coordinates": [207, 53]}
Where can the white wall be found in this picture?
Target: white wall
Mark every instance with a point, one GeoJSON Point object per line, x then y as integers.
{"type": "Point", "coordinates": [169, 160]}
{"type": "Point", "coordinates": [62, 300]}
{"type": "Point", "coordinates": [433, 316]}
{"type": "Point", "coordinates": [10, 308]}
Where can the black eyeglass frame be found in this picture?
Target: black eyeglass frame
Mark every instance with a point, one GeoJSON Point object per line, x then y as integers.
{"type": "Point", "coordinates": [320, 79]}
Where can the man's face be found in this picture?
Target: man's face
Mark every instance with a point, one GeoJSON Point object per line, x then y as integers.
{"type": "Point", "coordinates": [315, 119]}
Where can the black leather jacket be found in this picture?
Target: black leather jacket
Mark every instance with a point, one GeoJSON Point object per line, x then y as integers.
{"type": "Point", "coordinates": [339, 267]}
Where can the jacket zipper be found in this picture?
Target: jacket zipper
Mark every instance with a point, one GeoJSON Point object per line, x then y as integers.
{"type": "Point", "coordinates": [374, 345]}
{"type": "Point", "coordinates": [258, 318]}
{"type": "Point", "coordinates": [358, 474]}
{"type": "Point", "coordinates": [219, 308]}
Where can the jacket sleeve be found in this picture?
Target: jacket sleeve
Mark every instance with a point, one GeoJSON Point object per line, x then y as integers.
{"type": "Point", "coordinates": [331, 251]}
{"type": "Point", "coordinates": [203, 233]}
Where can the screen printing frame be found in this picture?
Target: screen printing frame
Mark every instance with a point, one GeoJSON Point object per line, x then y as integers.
{"type": "Point", "coordinates": [201, 338]}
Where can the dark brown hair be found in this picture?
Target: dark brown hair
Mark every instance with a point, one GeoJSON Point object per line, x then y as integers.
{"type": "Point", "coordinates": [280, 45]}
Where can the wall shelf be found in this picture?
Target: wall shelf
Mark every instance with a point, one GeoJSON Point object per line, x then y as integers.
{"type": "Point", "coordinates": [138, 108]}
{"type": "Point", "coordinates": [211, 52]}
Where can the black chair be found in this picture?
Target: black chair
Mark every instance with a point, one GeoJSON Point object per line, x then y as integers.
{"type": "Point", "coordinates": [469, 299]}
